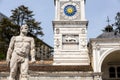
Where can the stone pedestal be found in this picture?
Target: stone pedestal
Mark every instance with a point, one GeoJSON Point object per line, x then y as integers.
{"type": "Point", "coordinates": [70, 43]}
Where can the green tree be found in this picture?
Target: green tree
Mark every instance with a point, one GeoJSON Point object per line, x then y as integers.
{"type": "Point", "coordinates": [117, 23]}
{"type": "Point", "coordinates": [22, 15]}
{"type": "Point", "coordinates": [7, 30]}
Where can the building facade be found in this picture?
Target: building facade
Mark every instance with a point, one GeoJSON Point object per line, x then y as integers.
{"type": "Point", "coordinates": [43, 51]}
{"type": "Point", "coordinates": [105, 53]}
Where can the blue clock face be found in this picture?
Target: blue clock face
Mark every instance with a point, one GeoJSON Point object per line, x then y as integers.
{"type": "Point", "coordinates": [70, 10]}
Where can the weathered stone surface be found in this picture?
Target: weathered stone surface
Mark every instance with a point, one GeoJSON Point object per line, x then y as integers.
{"type": "Point", "coordinates": [18, 54]}
{"type": "Point", "coordinates": [56, 76]}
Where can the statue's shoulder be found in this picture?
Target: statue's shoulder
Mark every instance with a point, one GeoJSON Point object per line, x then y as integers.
{"type": "Point", "coordinates": [16, 37]}
{"type": "Point", "coordinates": [30, 38]}
{"type": "Point", "coordinates": [13, 38]}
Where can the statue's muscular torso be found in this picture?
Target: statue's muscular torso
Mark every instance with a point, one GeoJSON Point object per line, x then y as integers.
{"type": "Point", "coordinates": [22, 45]}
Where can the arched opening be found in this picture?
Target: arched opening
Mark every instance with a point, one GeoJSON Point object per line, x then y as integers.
{"type": "Point", "coordinates": [111, 66]}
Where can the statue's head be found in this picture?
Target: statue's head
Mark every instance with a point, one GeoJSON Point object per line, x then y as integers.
{"type": "Point", "coordinates": [24, 29]}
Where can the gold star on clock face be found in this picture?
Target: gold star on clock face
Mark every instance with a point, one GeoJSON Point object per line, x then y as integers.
{"type": "Point", "coordinates": [70, 10]}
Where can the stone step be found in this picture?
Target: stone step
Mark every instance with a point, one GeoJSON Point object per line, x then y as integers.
{"type": "Point", "coordinates": [70, 56]}
{"type": "Point", "coordinates": [71, 61]}
{"type": "Point", "coordinates": [71, 53]}
{"type": "Point", "coordinates": [71, 64]}
{"type": "Point", "coordinates": [77, 57]}
{"type": "Point", "coordinates": [85, 62]}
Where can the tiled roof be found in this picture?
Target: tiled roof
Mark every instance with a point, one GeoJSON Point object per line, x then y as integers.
{"type": "Point", "coordinates": [109, 32]}
{"type": "Point", "coordinates": [109, 35]}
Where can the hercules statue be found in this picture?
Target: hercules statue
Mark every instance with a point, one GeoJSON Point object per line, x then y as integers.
{"type": "Point", "coordinates": [20, 48]}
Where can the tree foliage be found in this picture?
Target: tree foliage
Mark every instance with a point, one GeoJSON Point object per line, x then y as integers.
{"type": "Point", "coordinates": [117, 23]}
{"type": "Point", "coordinates": [22, 15]}
{"type": "Point", "coordinates": [7, 30]}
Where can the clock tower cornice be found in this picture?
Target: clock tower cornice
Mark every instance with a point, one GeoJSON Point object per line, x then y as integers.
{"type": "Point", "coordinates": [70, 23]}
{"type": "Point", "coordinates": [68, 0]}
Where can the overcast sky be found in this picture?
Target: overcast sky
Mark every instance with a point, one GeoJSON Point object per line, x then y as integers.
{"type": "Point", "coordinates": [96, 13]}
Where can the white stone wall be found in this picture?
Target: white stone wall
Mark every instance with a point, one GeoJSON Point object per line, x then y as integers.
{"type": "Point", "coordinates": [53, 78]}
{"type": "Point", "coordinates": [56, 76]}
{"type": "Point", "coordinates": [71, 50]}
{"type": "Point", "coordinates": [101, 48]}
{"type": "Point", "coordinates": [60, 78]}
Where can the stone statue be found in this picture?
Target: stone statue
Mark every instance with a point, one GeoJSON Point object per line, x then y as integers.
{"type": "Point", "coordinates": [18, 54]}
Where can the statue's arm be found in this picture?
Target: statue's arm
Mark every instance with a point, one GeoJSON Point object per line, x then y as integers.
{"type": "Point", "coordinates": [32, 50]}
{"type": "Point", "coordinates": [10, 49]}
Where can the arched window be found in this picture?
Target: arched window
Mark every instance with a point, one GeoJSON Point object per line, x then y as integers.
{"type": "Point", "coordinates": [112, 72]}
{"type": "Point", "coordinates": [118, 72]}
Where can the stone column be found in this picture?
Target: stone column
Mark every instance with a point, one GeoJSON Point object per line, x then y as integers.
{"type": "Point", "coordinates": [97, 76]}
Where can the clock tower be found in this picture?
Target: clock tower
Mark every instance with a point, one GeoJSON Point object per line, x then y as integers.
{"type": "Point", "coordinates": [70, 33]}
